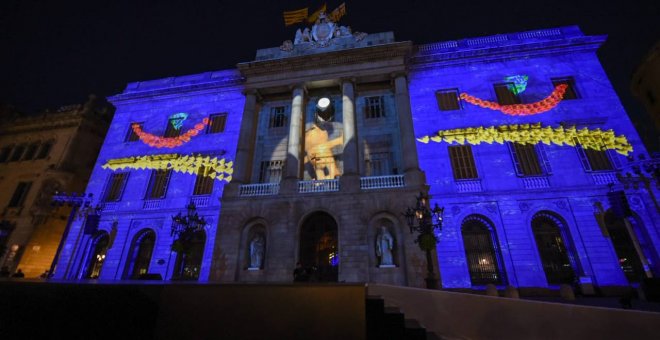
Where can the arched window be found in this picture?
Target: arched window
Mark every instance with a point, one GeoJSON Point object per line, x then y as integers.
{"type": "Point", "coordinates": [140, 253]}
{"type": "Point", "coordinates": [189, 257]}
{"type": "Point", "coordinates": [552, 247]}
{"type": "Point", "coordinates": [625, 250]}
{"type": "Point", "coordinates": [482, 251]}
{"type": "Point", "coordinates": [96, 256]}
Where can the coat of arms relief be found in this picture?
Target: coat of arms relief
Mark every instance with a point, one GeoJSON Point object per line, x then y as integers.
{"type": "Point", "coordinates": [321, 34]}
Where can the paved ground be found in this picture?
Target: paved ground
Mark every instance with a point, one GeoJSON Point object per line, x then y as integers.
{"type": "Point", "coordinates": [607, 302]}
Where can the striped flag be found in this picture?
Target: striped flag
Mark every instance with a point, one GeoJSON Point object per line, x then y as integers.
{"type": "Point", "coordinates": [292, 17]}
{"type": "Point", "coordinates": [312, 18]}
{"type": "Point", "coordinates": [338, 12]}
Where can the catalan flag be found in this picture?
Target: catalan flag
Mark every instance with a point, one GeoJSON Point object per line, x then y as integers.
{"type": "Point", "coordinates": [292, 17]}
{"type": "Point", "coordinates": [312, 18]}
{"type": "Point", "coordinates": [338, 12]}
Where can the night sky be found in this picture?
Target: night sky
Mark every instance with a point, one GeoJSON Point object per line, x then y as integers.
{"type": "Point", "coordinates": [54, 53]}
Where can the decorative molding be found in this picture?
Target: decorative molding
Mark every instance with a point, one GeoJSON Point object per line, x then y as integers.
{"type": "Point", "coordinates": [523, 206]}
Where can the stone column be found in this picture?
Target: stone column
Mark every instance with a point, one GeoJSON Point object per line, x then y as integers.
{"type": "Point", "coordinates": [246, 140]}
{"type": "Point", "coordinates": [414, 175]}
{"type": "Point", "coordinates": [296, 125]}
{"type": "Point", "coordinates": [350, 154]}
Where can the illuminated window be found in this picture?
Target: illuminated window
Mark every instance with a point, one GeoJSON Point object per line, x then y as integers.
{"type": "Point", "coordinates": [139, 257]}
{"type": "Point", "coordinates": [504, 95]}
{"type": "Point", "coordinates": [594, 160]}
{"type": "Point", "coordinates": [374, 107]}
{"type": "Point", "coordinates": [44, 151]}
{"type": "Point", "coordinates": [158, 183]}
{"type": "Point", "coordinates": [217, 123]}
{"type": "Point", "coordinates": [570, 93]}
{"type": "Point", "coordinates": [271, 171]}
{"type": "Point", "coordinates": [20, 194]}
{"type": "Point", "coordinates": [277, 117]}
{"type": "Point", "coordinates": [203, 184]}
{"type": "Point", "coordinates": [18, 153]}
{"type": "Point", "coordinates": [482, 251]}
{"type": "Point", "coordinates": [529, 159]}
{"type": "Point", "coordinates": [552, 247]}
{"type": "Point", "coordinates": [30, 151]}
{"type": "Point", "coordinates": [171, 130]}
{"type": "Point", "coordinates": [4, 153]}
{"type": "Point", "coordinates": [378, 164]}
{"type": "Point", "coordinates": [96, 256]}
{"type": "Point", "coordinates": [131, 136]}
{"type": "Point", "coordinates": [462, 162]}
{"type": "Point", "coordinates": [115, 186]}
{"type": "Point", "coordinates": [447, 100]}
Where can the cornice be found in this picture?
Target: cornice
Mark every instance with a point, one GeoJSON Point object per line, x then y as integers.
{"type": "Point", "coordinates": [177, 91]}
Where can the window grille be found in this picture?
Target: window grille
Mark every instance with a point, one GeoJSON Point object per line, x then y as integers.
{"type": "Point", "coordinates": [529, 159]}
{"type": "Point", "coordinates": [158, 183]}
{"type": "Point", "coordinates": [374, 107]}
{"type": "Point", "coordinates": [278, 117]}
{"type": "Point", "coordinates": [482, 251]}
{"type": "Point", "coordinates": [462, 162]}
{"type": "Point", "coordinates": [570, 93]}
{"type": "Point", "coordinates": [131, 136]}
{"type": "Point", "coordinates": [447, 100]}
{"type": "Point", "coordinates": [378, 164]}
{"type": "Point", "coordinates": [217, 123]}
{"type": "Point", "coordinates": [20, 194]}
{"type": "Point", "coordinates": [115, 186]}
{"type": "Point", "coordinates": [271, 171]}
{"type": "Point", "coordinates": [552, 250]}
{"type": "Point", "coordinates": [203, 184]}
{"type": "Point", "coordinates": [504, 94]}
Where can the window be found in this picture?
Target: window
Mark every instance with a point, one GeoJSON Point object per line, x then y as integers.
{"type": "Point", "coordinates": [20, 194]}
{"type": "Point", "coordinates": [131, 136]}
{"type": "Point", "coordinates": [189, 265]}
{"type": "Point", "coordinates": [570, 90]}
{"type": "Point", "coordinates": [115, 186]}
{"type": "Point", "coordinates": [277, 117]}
{"type": "Point", "coordinates": [529, 159]}
{"type": "Point", "coordinates": [374, 107]}
{"type": "Point", "coordinates": [30, 151]}
{"type": "Point", "coordinates": [203, 184]}
{"type": "Point", "coordinates": [171, 130]}
{"type": "Point", "coordinates": [158, 183]}
{"type": "Point", "coordinates": [482, 251]}
{"type": "Point", "coordinates": [140, 255]}
{"type": "Point", "coordinates": [4, 153]}
{"type": "Point", "coordinates": [18, 153]}
{"type": "Point", "coordinates": [217, 123]}
{"type": "Point", "coordinates": [504, 95]}
{"type": "Point", "coordinates": [271, 171]}
{"type": "Point", "coordinates": [552, 248]}
{"type": "Point", "coordinates": [96, 256]}
{"type": "Point", "coordinates": [462, 162]}
{"type": "Point", "coordinates": [593, 160]}
{"type": "Point", "coordinates": [44, 151]}
{"type": "Point", "coordinates": [378, 164]}
{"type": "Point", "coordinates": [448, 100]}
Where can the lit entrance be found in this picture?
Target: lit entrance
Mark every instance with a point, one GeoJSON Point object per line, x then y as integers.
{"type": "Point", "coordinates": [318, 247]}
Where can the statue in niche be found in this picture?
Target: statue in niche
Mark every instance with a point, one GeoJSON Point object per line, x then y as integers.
{"type": "Point", "coordinates": [257, 251]}
{"type": "Point", "coordinates": [385, 247]}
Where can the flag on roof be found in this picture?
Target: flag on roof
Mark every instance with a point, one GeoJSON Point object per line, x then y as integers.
{"type": "Point", "coordinates": [292, 17]}
{"type": "Point", "coordinates": [338, 12]}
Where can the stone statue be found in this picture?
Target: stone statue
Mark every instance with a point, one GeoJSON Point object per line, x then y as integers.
{"type": "Point", "coordinates": [384, 247]}
{"type": "Point", "coordinates": [306, 35]}
{"type": "Point", "coordinates": [257, 251]}
{"type": "Point", "coordinates": [299, 37]}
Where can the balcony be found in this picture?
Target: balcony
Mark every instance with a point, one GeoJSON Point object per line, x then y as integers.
{"type": "Point", "coordinates": [381, 182]}
{"type": "Point", "coordinates": [109, 206]}
{"type": "Point", "coordinates": [201, 201]}
{"type": "Point", "coordinates": [538, 182]}
{"type": "Point", "coordinates": [469, 185]}
{"type": "Point", "coordinates": [604, 178]}
{"type": "Point", "coordinates": [318, 185]}
{"type": "Point", "coordinates": [152, 204]}
{"type": "Point", "coordinates": [258, 189]}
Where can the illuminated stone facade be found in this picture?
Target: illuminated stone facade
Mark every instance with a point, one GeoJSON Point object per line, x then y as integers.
{"type": "Point", "coordinates": [314, 180]}
{"type": "Point", "coordinates": [41, 154]}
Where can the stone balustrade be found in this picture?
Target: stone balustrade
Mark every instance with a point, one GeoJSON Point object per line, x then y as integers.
{"type": "Point", "coordinates": [381, 182]}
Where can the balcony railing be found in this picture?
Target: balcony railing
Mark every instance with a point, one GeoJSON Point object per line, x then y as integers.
{"type": "Point", "coordinates": [258, 189]}
{"type": "Point", "coordinates": [152, 204]}
{"type": "Point", "coordinates": [201, 201]}
{"type": "Point", "coordinates": [536, 182]}
{"type": "Point", "coordinates": [468, 185]}
{"type": "Point", "coordinates": [604, 178]}
{"type": "Point", "coordinates": [381, 182]}
{"type": "Point", "coordinates": [109, 206]}
{"type": "Point", "coordinates": [318, 185]}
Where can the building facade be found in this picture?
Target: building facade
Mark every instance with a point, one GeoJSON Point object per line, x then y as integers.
{"type": "Point", "coordinates": [39, 155]}
{"type": "Point", "coordinates": [312, 152]}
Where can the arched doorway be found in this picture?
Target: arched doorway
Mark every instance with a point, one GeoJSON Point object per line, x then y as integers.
{"type": "Point", "coordinates": [482, 251]}
{"type": "Point", "coordinates": [625, 250]}
{"type": "Point", "coordinates": [552, 248]}
{"type": "Point", "coordinates": [319, 247]}
{"type": "Point", "coordinates": [140, 253]}
{"type": "Point", "coordinates": [96, 256]}
{"type": "Point", "coordinates": [189, 258]}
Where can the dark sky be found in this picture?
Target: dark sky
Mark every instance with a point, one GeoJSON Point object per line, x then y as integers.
{"type": "Point", "coordinates": [57, 52]}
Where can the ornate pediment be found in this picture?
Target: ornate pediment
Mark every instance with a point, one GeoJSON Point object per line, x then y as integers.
{"type": "Point", "coordinates": [323, 33]}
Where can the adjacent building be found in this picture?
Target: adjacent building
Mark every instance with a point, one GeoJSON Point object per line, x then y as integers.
{"type": "Point", "coordinates": [40, 155]}
{"type": "Point", "coordinates": [311, 153]}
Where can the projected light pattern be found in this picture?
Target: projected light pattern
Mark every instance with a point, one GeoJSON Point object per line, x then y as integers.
{"type": "Point", "coordinates": [540, 106]}
{"type": "Point", "coordinates": [169, 142]}
{"type": "Point", "coordinates": [214, 168]}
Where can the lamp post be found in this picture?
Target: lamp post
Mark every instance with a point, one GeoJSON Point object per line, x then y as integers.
{"type": "Point", "coordinates": [184, 229]}
{"type": "Point", "coordinates": [425, 221]}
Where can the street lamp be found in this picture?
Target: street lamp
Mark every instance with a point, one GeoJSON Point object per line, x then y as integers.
{"type": "Point", "coordinates": [425, 221]}
{"type": "Point", "coordinates": [185, 229]}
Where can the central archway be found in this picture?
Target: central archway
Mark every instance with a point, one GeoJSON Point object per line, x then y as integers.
{"type": "Point", "coordinates": [319, 247]}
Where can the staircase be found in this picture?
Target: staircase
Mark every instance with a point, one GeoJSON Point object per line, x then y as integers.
{"type": "Point", "coordinates": [390, 323]}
